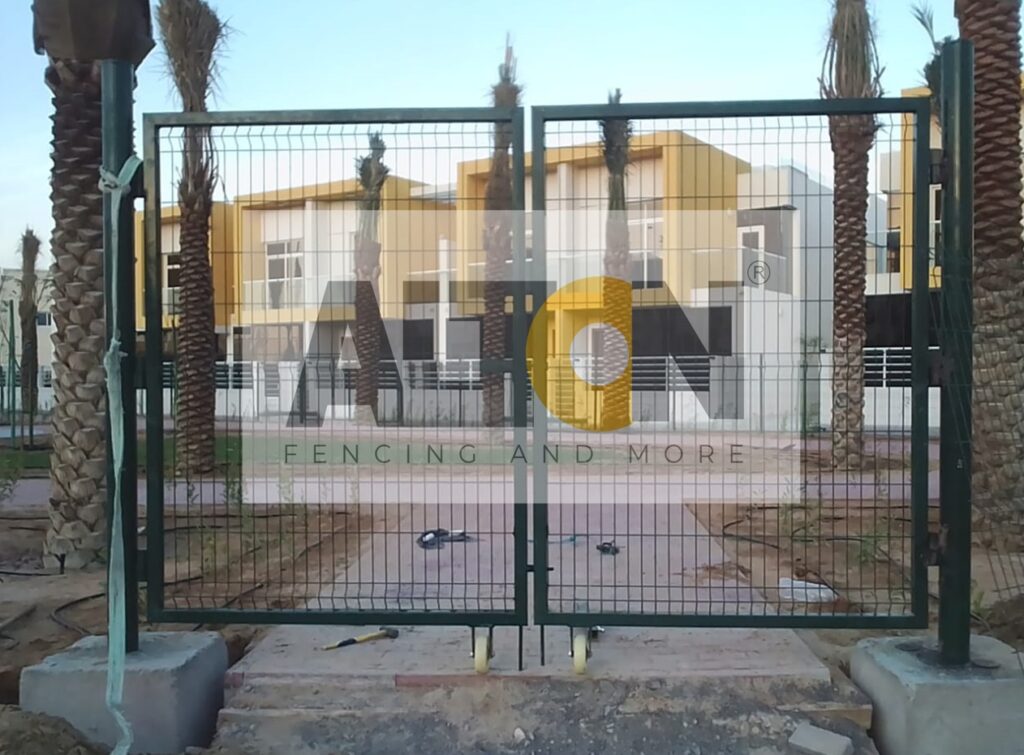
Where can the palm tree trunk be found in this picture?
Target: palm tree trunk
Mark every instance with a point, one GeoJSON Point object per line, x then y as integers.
{"type": "Point", "coordinates": [197, 353]}
{"type": "Point", "coordinates": [615, 335]}
{"type": "Point", "coordinates": [368, 326]}
{"type": "Point", "coordinates": [192, 35]}
{"type": "Point", "coordinates": [851, 137]}
{"type": "Point", "coordinates": [998, 399]}
{"type": "Point", "coordinates": [499, 204]}
{"type": "Point", "coordinates": [498, 248]}
{"type": "Point", "coordinates": [497, 251]}
{"type": "Point", "coordinates": [29, 348]}
{"type": "Point", "coordinates": [77, 463]}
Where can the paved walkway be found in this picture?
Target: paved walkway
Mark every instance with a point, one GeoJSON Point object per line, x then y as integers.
{"type": "Point", "coordinates": [667, 563]}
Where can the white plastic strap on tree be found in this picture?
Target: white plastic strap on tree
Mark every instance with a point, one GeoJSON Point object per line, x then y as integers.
{"type": "Point", "coordinates": [119, 188]}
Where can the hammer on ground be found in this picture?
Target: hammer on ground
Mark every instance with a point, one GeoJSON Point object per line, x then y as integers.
{"type": "Point", "coordinates": [383, 633]}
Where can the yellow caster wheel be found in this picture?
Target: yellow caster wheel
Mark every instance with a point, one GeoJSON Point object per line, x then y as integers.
{"type": "Point", "coordinates": [580, 651]}
{"type": "Point", "coordinates": [482, 653]}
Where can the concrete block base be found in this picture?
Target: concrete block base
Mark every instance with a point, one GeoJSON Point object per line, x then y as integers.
{"type": "Point", "coordinates": [924, 708]}
{"type": "Point", "coordinates": [174, 688]}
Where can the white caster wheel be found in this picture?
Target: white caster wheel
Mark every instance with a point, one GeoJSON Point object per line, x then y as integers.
{"type": "Point", "coordinates": [482, 653]}
{"type": "Point", "coordinates": [580, 651]}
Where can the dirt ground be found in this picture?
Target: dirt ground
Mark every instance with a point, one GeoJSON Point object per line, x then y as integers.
{"type": "Point", "coordinates": [281, 555]}
{"type": "Point", "coordinates": [278, 549]}
{"type": "Point", "coordinates": [862, 551]}
{"type": "Point", "coordinates": [33, 734]}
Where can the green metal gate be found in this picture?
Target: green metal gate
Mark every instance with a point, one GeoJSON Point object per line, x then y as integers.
{"type": "Point", "coordinates": [717, 504]}
{"type": "Point", "coordinates": [304, 515]}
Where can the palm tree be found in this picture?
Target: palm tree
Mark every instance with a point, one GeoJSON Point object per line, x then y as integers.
{"type": "Point", "coordinates": [850, 69]}
{"type": "Point", "coordinates": [499, 204]}
{"type": "Point", "coordinates": [76, 536]}
{"type": "Point", "coordinates": [615, 136]}
{"type": "Point", "coordinates": [932, 70]}
{"type": "Point", "coordinates": [998, 474]}
{"type": "Point", "coordinates": [27, 309]}
{"type": "Point", "coordinates": [372, 175]}
{"type": "Point", "coordinates": [192, 37]}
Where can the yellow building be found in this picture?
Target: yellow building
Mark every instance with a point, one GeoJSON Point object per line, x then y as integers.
{"type": "Point", "coordinates": [223, 259]}
{"type": "Point", "coordinates": [294, 243]}
{"type": "Point", "coordinates": [685, 216]}
{"type": "Point", "coordinates": [274, 254]}
{"type": "Point", "coordinates": [682, 197]}
{"type": "Point", "coordinates": [901, 218]}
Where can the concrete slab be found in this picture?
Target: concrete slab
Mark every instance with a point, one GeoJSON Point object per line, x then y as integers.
{"type": "Point", "coordinates": [813, 740]}
{"type": "Point", "coordinates": [173, 689]}
{"type": "Point", "coordinates": [543, 719]}
{"type": "Point", "coordinates": [923, 708]}
{"type": "Point", "coordinates": [439, 655]}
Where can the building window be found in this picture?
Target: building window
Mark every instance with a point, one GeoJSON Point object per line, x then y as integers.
{"type": "Point", "coordinates": [646, 225]}
{"type": "Point", "coordinates": [646, 239]}
{"type": "Point", "coordinates": [172, 282]}
{"type": "Point", "coordinates": [892, 251]}
{"type": "Point", "coordinates": [173, 270]}
{"type": "Point", "coordinates": [646, 270]}
{"type": "Point", "coordinates": [284, 273]}
{"type": "Point", "coordinates": [751, 237]}
{"type": "Point", "coordinates": [46, 377]}
{"type": "Point", "coordinates": [43, 319]}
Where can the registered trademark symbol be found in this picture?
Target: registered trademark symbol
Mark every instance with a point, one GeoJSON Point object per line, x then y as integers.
{"type": "Point", "coordinates": [758, 272]}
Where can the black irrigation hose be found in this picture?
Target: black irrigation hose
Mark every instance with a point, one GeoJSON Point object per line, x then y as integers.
{"type": "Point", "coordinates": [723, 532]}
{"type": "Point", "coordinates": [73, 626]}
{"type": "Point", "coordinates": [68, 624]}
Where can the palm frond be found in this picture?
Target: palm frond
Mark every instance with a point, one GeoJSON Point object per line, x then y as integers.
{"type": "Point", "coordinates": [29, 255]}
{"type": "Point", "coordinates": [615, 137]}
{"type": "Point", "coordinates": [506, 92]}
{"type": "Point", "coordinates": [923, 14]}
{"type": "Point", "coordinates": [932, 70]}
{"type": "Point", "coordinates": [372, 173]}
{"type": "Point", "coordinates": [850, 67]}
{"type": "Point", "coordinates": [192, 35]}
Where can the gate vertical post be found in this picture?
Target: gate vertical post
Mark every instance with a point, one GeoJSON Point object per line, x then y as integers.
{"type": "Point", "coordinates": [519, 373]}
{"type": "Point", "coordinates": [117, 82]}
{"type": "Point", "coordinates": [11, 368]}
{"type": "Point", "coordinates": [957, 113]}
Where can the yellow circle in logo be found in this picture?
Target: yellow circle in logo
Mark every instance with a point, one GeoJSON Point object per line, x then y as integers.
{"type": "Point", "coordinates": [601, 405]}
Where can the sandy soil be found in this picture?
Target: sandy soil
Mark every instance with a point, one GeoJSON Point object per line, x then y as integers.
{"type": "Point", "coordinates": [46, 612]}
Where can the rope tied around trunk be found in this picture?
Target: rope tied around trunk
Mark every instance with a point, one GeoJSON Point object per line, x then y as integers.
{"type": "Point", "coordinates": [119, 188]}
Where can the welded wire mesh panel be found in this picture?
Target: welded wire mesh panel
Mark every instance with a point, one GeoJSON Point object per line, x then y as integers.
{"type": "Point", "coordinates": [762, 470]}
{"type": "Point", "coordinates": [331, 454]}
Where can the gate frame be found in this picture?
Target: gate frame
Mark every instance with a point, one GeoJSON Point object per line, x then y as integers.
{"type": "Point", "coordinates": [921, 110]}
{"type": "Point", "coordinates": [153, 309]}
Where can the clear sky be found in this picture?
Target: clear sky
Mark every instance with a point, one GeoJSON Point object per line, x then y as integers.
{"type": "Point", "coordinates": [410, 53]}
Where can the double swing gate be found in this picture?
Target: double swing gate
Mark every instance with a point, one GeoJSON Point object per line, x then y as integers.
{"type": "Point", "coordinates": [592, 385]}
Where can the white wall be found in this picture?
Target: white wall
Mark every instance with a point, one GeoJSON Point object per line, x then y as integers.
{"type": "Point", "coordinates": [576, 201]}
{"type": "Point", "coordinates": [884, 408]}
